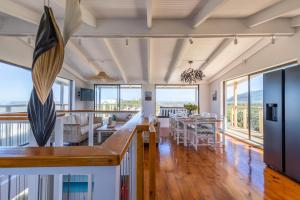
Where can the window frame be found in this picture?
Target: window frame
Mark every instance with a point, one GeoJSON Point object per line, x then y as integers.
{"type": "Point", "coordinates": [179, 85]}
{"type": "Point", "coordinates": [118, 94]}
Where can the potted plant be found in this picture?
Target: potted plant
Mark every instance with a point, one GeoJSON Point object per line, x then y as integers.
{"type": "Point", "coordinates": [190, 107]}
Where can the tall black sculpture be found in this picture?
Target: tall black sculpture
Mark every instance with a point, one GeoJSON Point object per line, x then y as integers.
{"type": "Point", "coordinates": [48, 58]}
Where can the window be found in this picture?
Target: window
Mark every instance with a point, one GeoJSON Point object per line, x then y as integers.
{"type": "Point", "coordinates": [175, 96]}
{"type": "Point", "coordinates": [118, 97]}
{"type": "Point", "coordinates": [237, 106]}
{"type": "Point", "coordinates": [62, 93]}
{"type": "Point", "coordinates": [15, 95]}
{"type": "Point", "coordinates": [130, 97]}
{"type": "Point", "coordinates": [256, 108]}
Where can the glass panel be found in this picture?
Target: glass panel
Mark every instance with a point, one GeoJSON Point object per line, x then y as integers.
{"type": "Point", "coordinates": [57, 95]}
{"type": "Point", "coordinates": [175, 96]}
{"type": "Point", "coordinates": [130, 97]}
{"type": "Point", "coordinates": [15, 88]}
{"type": "Point", "coordinates": [66, 97]}
{"type": "Point", "coordinates": [107, 97]}
{"type": "Point", "coordinates": [237, 106]}
{"type": "Point", "coordinates": [256, 108]}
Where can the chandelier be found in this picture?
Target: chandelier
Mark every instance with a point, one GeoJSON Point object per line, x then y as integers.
{"type": "Point", "coordinates": [191, 75]}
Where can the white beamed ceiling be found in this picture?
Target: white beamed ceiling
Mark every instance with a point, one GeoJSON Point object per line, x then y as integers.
{"type": "Point", "coordinates": [141, 60]}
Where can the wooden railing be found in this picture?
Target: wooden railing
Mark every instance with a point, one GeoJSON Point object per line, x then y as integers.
{"type": "Point", "coordinates": [104, 164]}
{"type": "Point", "coordinates": [238, 117]}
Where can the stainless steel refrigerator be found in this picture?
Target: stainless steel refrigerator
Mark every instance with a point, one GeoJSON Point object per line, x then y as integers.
{"type": "Point", "coordinates": [282, 121]}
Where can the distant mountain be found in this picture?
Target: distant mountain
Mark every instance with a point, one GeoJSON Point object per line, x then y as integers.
{"type": "Point", "coordinates": [256, 97]}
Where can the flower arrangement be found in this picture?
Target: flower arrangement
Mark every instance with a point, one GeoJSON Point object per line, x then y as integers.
{"type": "Point", "coordinates": [190, 107]}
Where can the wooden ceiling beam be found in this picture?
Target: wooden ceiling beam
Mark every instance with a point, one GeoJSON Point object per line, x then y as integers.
{"type": "Point", "coordinates": [205, 11]}
{"type": "Point", "coordinates": [115, 59]}
{"type": "Point", "coordinates": [149, 13]}
{"type": "Point", "coordinates": [149, 59]}
{"type": "Point", "coordinates": [258, 46]}
{"type": "Point", "coordinates": [272, 12]}
{"type": "Point", "coordinates": [181, 48]}
{"type": "Point", "coordinates": [135, 28]}
{"type": "Point", "coordinates": [295, 21]}
{"type": "Point", "coordinates": [219, 49]}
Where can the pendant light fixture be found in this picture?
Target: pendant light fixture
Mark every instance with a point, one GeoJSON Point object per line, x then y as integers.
{"type": "Point", "coordinates": [191, 75]}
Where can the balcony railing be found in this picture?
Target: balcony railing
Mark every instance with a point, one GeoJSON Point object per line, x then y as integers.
{"type": "Point", "coordinates": [238, 119]}
{"type": "Point", "coordinates": [112, 170]}
{"type": "Point", "coordinates": [164, 112]}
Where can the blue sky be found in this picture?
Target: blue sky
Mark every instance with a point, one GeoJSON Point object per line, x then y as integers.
{"type": "Point", "coordinates": [176, 94]}
{"type": "Point", "coordinates": [256, 83]}
{"type": "Point", "coordinates": [14, 84]}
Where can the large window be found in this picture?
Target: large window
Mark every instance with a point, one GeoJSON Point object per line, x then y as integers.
{"type": "Point", "coordinates": [237, 106]}
{"type": "Point", "coordinates": [118, 97]}
{"type": "Point", "coordinates": [175, 96]}
{"type": "Point", "coordinates": [62, 93]}
{"type": "Point", "coordinates": [244, 107]}
{"type": "Point", "coordinates": [16, 86]}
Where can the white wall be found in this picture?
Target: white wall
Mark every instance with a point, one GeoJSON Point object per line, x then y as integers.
{"type": "Point", "coordinates": [204, 97]}
{"type": "Point", "coordinates": [285, 50]}
{"type": "Point", "coordinates": [148, 107]}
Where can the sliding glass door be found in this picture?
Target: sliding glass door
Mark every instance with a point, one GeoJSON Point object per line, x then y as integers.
{"type": "Point", "coordinates": [237, 106]}
{"type": "Point", "coordinates": [256, 108]}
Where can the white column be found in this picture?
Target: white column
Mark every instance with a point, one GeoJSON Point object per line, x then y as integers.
{"type": "Point", "coordinates": [33, 187]}
{"type": "Point", "coordinates": [58, 141]}
{"type": "Point", "coordinates": [107, 184]}
{"type": "Point", "coordinates": [91, 129]}
{"type": "Point", "coordinates": [59, 131]}
{"type": "Point", "coordinates": [90, 187]}
{"type": "Point", "coordinates": [4, 187]}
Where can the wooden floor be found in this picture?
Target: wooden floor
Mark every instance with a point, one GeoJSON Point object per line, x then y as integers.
{"type": "Point", "coordinates": [234, 172]}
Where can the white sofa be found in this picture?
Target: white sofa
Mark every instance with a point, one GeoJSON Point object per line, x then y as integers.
{"type": "Point", "coordinates": [76, 127]}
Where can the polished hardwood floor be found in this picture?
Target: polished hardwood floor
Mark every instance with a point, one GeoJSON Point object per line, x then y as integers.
{"type": "Point", "coordinates": [234, 172]}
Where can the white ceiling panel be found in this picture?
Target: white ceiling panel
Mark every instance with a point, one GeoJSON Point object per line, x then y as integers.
{"type": "Point", "coordinates": [175, 8]}
{"type": "Point", "coordinates": [38, 6]}
{"type": "Point", "coordinates": [129, 57]}
{"type": "Point", "coordinates": [162, 56]}
{"type": "Point", "coordinates": [116, 8]}
{"type": "Point", "coordinates": [293, 13]}
{"type": "Point", "coordinates": [229, 54]}
{"type": "Point", "coordinates": [241, 8]}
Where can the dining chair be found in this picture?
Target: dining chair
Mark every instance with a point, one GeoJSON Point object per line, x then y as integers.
{"type": "Point", "coordinates": [172, 124]}
{"type": "Point", "coordinates": [201, 134]}
{"type": "Point", "coordinates": [179, 131]}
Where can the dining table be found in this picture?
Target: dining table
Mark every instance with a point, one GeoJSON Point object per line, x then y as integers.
{"type": "Point", "coordinates": [186, 121]}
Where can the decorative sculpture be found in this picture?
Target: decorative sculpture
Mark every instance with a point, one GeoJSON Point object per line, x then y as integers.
{"type": "Point", "coordinates": [48, 58]}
